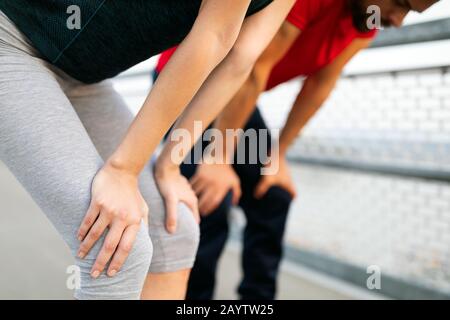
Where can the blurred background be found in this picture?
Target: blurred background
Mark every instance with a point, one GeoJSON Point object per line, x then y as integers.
{"type": "Point", "coordinates": [372, 171]}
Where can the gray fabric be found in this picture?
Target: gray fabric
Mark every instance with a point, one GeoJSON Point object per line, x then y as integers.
{"type": "Point", "coordinates": [55, 133]}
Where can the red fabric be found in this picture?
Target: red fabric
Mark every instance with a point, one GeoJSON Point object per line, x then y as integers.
{"type": "Point", "coordinates": [327, 29]}
{"type": "Point", "coordinates": [164, 58]}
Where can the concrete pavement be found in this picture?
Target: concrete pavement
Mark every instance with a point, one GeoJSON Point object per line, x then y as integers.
{"type": "Point", "coordinates": [34, 260]}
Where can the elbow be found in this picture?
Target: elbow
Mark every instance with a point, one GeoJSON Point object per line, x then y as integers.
{"type": "Point", "coordinates": [258, 78]}
{"type": "Point", "coordinates": [242, 59]}
{"type": "Point", "coordinates": [223, 41]}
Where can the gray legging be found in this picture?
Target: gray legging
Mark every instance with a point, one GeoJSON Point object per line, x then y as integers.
{"type": "Point", "coordinates": [55, 133]}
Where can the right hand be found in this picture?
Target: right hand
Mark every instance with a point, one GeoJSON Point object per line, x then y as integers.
{"type": "Point", "coordinates": [116, 205]}
{"type": "Point", "coordinates": [212, 182]}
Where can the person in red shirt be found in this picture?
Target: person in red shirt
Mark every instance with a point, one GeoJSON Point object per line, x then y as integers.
{"type": "Point", "coordinates": [318, 38]}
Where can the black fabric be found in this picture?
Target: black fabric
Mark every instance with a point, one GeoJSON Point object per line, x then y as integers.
{"type": "Point", "coordinates": [114, 36]}
{"type": "Point", "coordinates": [263, 234]}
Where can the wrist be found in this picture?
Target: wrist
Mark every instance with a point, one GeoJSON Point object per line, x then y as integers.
{"type": "Point", "coordinates": [119, 165]}
{"type": "Point", "coordinates": [163, 168]}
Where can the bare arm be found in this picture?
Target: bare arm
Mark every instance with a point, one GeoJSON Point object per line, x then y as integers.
{"type": "Point", "coordinates": [315, 91]}
{"type": "Point", "coordinates": [116, 203]}
{"type": "Point", "coordinates": [228, 77]}
{"type": "Point", "coordinates": [218, 26]}
{"type": "Point", "coordinates": [240, 108]}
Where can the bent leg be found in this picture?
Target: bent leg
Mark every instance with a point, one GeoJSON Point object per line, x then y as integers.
{"type": "Point", "coordinates": [44, 144]}
{"type": "Point", "coordinates": [106, 119]}
{"type": "Point", "coordinates": [213, 237]}
{"type": "Point", "coordinates": [264, 231]}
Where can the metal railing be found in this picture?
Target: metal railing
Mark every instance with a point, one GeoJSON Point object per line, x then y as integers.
{"type": "Point", "coordinates": [424, 32]}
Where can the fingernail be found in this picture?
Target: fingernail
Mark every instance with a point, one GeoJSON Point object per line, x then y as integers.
{"type": "Point", "coordinates": [112, 273]}
{"type": "Point", "coordinates": [81, 255]}
{"type": "Point", "coordinates": [95, 274]}
{"type": "Point", "coordinates": [80, 238]}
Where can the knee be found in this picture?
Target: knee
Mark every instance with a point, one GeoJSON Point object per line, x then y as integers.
{"type": "Point", "coordinates": [127, 284]}
{"type": "Point", "coordinates": [279, 196]}
{"type": "Point", "coordinates": [175, 252]}
{"type": "Point", "coordinates": [279, 199]}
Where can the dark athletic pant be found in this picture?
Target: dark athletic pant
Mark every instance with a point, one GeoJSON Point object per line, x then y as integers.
{"type": "Point", "coordinates": [263, 234]}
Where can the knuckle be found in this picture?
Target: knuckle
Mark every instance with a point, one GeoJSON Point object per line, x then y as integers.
{"type": "Point", "coordinates": [109, 246]}
{"type": "Point", "coordinates": [121, 215]}
{"type": "Point", "coordinates": [99, 264]}
{"type": "Point", "coordinates": [88, 221]}
{"type": "Point", "coordinates": [95, 233]}
{"type": "Point", "coordinates": [135, 220]}
{"type": "Point", "coordinates": [100, 202]}
{"type": "Point", "coordinates": [126, 247]}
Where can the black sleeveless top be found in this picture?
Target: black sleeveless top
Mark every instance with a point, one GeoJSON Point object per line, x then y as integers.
{"type": "Point", "coordinates": [92, 40]}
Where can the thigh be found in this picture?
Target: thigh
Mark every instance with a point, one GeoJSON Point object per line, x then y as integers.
{"type": "Point", "coordinates": [250, 173]}
{"type": "Point", "coordinates": [44, 144]}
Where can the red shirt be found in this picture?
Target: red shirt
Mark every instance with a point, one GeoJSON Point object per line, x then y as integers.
{"type": "Point", "coordinates": [327, 29]}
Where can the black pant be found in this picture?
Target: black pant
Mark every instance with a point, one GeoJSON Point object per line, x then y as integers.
{"type": "Point", "coordinates": [263, 234]}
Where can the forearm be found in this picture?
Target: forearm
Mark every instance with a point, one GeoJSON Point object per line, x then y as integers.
{"type": "Point", "coordinates": [308, 102]}
{"type": "Point", "coordinates": [204, 108]}
{"type": "Point", "coordinates": [185, 73]}
{"type": "Point", "coordinates": [241, 107]}
{"type": "Point", "coordinates": [229, 76]}
{"type": "Point", "coordinates": [238, 111]}
{"type": "Point", "coordinates": [162, 106]}
{"type": "Point", "coordinates": [315, 91]}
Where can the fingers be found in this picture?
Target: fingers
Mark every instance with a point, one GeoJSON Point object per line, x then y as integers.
{"type": "Point", "coordinates": [171, 213]}
{"type": "Point", "coordinates": [264, 185]}
{"type": "Point", "coordinates": [237, 193]}
{"type": "Point", "coordinates": [261, 188]}
{"type": "Point", "coordinates": [198, 185]}
{"type": "Point", "coordinates": [210, 200]}
{"type": "Point", "coordinates": [109, 247]}
{"type": "Point", "coordinates": [88, 221]}
{"type": "Point", "coordinates": [204, 199]}
{"type": "Point", "coordinates": [123, 249]}
{"type": "Point", "coordinates": [93, 235]}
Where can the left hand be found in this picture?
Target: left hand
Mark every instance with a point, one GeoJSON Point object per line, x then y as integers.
{"type": "Point", "coordinates": [212, 182]}
{"type": "Point", "coordinates": [282, 179]}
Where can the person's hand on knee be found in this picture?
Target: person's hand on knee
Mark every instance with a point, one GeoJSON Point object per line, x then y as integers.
{"type": "Point", "coordinates": [211, 184]}
{"type": "Point", "coordinates": [175, 188]}
{"type": "Point", "coordinates": [116, 205]}
{"type": "Point", "coordinates": [282, 178]}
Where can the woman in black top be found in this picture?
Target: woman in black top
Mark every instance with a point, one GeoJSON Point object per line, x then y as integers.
{"type": "Point", "coordinates": [217, 50]}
